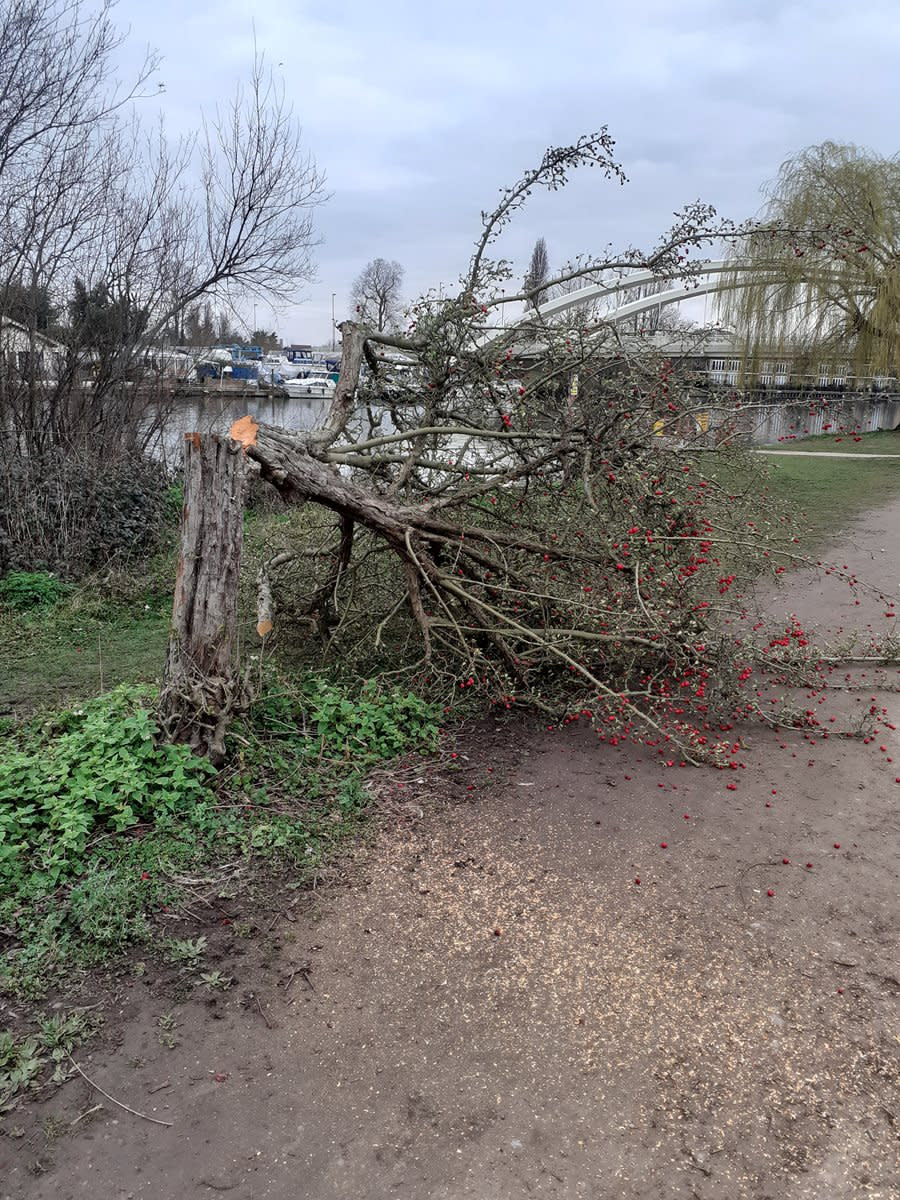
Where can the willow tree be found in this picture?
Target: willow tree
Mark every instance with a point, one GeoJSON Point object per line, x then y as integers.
{"type": "Point", "coordinates": [820, 275]}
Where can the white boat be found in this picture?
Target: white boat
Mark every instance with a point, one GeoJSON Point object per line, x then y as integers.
{"type": "Point", "coordinates": [318, 384]}
{"type": "Point", "coordinates": [275, 369]}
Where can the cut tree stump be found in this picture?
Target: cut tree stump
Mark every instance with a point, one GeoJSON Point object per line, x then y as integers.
{"type": "Point", "coordinates": [202, 683]}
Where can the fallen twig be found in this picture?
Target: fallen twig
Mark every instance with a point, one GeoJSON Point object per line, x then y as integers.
{"type": "Point", "coordinates": [269, 1024]}
{"type": "Point", "coordinates": [87, 1112]}
{"type": "Point", "coordinates": [113, 1100]}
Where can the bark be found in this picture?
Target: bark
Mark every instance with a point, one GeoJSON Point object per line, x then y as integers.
{"type": "Point", "coordinates": [201, 685]}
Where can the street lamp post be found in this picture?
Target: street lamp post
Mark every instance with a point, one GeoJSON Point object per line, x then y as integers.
{"type": "Point", "coordinates": [333, 294]}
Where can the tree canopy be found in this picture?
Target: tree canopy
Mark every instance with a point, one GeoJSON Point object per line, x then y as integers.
{"type": "Point", "coordinates": [104, 216]}
{"type": "Point", "coordinates": [537, 274]}
{"type": "Point", "coordinates": [820, 274]}
{"type": "Point", "coordinates": [376, 294]}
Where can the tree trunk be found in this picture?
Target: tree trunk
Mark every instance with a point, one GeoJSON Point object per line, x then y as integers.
{"type": "Point", "coordinates": [201, 685]}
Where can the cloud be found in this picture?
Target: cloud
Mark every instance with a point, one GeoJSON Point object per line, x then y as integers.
{"type": "Point", "coordinates": [420, 113]}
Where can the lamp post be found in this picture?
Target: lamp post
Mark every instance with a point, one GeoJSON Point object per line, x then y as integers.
{"type": "Point", "coordinates": [333, 294]}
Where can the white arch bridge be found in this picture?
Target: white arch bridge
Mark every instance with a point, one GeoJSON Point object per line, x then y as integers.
{"type": "Point", "coordinates": [704, 282]}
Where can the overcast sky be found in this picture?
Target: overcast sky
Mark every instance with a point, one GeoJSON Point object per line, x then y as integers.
{"type": "Point", "coordinates": [419, 112]}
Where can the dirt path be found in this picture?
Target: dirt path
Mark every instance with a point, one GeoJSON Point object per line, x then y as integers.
{"type": "Point", "coordinates": [495, 1007]}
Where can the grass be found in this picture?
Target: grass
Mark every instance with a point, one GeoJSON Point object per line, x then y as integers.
{"type": "Point", "coordinates": [112, 629]}
{"type": "Point", "coordinates": [832, 492]}
{"type": "Point", "coordinates": [886, 441]}
{"type": "Point", "coordinates": [820, 495]}
{"type": "Point", "coordinates": [72, 652]}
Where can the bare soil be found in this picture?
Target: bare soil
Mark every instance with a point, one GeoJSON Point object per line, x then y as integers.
{"type": "Point", "coordinates": [489, 1004]}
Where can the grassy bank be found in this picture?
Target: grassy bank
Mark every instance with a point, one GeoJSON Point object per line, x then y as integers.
{"type": "Point", "coordinates": [113, 846]}
{"type": "Point", "coordinates": [886, 441]}
{"type": "Point", "coordinates": [830, 493]}
{"type": "Point", "coordinates": [819, 496]}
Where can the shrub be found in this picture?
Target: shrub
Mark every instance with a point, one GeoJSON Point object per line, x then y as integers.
{"type": "Point", "coordinates": [367, 726]}
{"type": "Point", "coordinates": [23, 590]}
{"type": "Point", "coordinates": [94, 768]}
{"type": "Point", "coordinates": [72, 513]}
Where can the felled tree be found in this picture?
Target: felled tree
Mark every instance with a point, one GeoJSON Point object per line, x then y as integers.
{"type": "Point", "coordinates": [201, 686]}
{"type": "Point", "coordinates": [496, 498]}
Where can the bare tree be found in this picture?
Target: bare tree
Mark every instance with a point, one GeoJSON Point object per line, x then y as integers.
{"type": "Point", "coordinates": [537, 274]}
{"type": "Point", "coordinates": [89, 194]}
{"type": "Point", "coordinates": [376, 294]}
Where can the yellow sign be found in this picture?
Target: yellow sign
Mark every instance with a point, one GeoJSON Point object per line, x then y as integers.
{"type": "Point", "coordinates": [658, 427]}
{"type": "Point", "coordinates": [703, 422]}
{"type": "Point", "coordinates": [573, 387]}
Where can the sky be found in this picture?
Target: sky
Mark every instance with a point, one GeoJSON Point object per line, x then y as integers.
{"type": "Point", "coordinates": [418, 113]}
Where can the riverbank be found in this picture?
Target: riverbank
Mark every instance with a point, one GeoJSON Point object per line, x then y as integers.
{"type": "Point", "coordinates": [560, 967]}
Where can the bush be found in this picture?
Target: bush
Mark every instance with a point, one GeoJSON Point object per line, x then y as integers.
{"type": "Point", "coordinates": [72, 514]}
{"type": "Point", "coordinates": [24, 590]}
{"type": "Point", "coordinates": [366, 726]}
{"type": "Point", "coordinates": [92, 769]}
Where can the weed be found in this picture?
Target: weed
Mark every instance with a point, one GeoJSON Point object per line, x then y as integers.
{"type": "Point", "coordinates": [53, 1129]}
{"type": "Point", "coordinates": [21, 1064]}
{"type": "Point", "coordinates": [216, 980]}
{"type": "Point", "coordinates": [92, 769]}
{"type": "Point", "coordinates": [167, 1026]}
{"type": "Point", "coordinates": [65, 1031]}
{"type": "Point", "coordinates": [25, 1062]}
{"type": "Point", "coordinates": [185, 952]}
{"type": "Point", "coordinates": [99, 824]}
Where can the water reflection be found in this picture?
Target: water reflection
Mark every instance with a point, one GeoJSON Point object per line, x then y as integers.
{"type": "Point", "coordinates": [217, 412]}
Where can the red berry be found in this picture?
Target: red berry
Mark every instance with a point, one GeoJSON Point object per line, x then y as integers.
{"type": "Point", "coordinates": [770, 892]}
{"type": "Point", "coordinates": [809, 866]}
{"type": "Point", "coordinates": [837, 845]}
{"type": "Point", "coordinates": [497, 932]}
{"type": "Point", "coordinates": [687, 816]}
{"type": "Point", "coordinates": [786, 861]}
{"type": "Point", "coordinates": [637, 881]}
{"type": "Point", "coordinates": [663, 845]}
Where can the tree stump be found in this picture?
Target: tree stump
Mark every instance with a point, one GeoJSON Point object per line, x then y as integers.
{"type": "Point", "coordinates": [202, 683]}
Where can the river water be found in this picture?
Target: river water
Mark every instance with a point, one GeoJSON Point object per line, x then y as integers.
{"type": "Point", "coordinates": [217, 412]}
